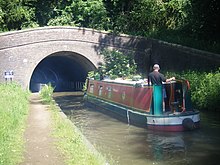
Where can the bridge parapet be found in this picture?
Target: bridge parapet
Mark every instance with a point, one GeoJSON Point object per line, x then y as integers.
{"type": "Point", "coordinates": [51, 34]}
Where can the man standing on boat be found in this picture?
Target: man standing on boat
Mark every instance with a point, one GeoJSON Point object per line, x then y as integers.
{"type": "Point", "coordinates": [156, 79]}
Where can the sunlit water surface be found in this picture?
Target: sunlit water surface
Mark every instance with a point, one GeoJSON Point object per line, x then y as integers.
{"type": "Point", "coordinates": [125, 144]}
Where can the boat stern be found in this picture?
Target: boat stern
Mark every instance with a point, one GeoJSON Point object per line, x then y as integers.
{"type": "Point", "coordinates": [185, 121]}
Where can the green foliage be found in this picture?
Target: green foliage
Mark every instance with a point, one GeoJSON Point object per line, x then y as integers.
{"type": "Point", "coordinates": [85, 86]}
{"type": "Point", "coordinates": [91, 75]}
{"type": "Point", "coordinates": [46, 93]}
{"type": "Point", "coordinates": [136, 77]}
{"type": "Point", "coordinates": [13, 113]}
{"type": "Point", "coordinates": [187, 22]}
{"type": "Point", "coordinates": [94, 75]}
{"type": "Point", "coordinates": [204, 21]}
{"type": "Point", "coordinates": [15, 14]}
{"type": "Point", "coordinates": [91, 14]}
{"type": "Point", "coordinates": [191, 23]}
{"type": "Point", "coordinates": [147, 16]}
{"type": "Point", "coordinates": [204, 88]}
{"type": "Point", "coordinates": [118, 64]}
{"type": "Point", "coordinates": [45, 10]}
{"type": "Point", "coordinates": [207, 92]}
{"type": "Point", "coordinates": [62, 20]}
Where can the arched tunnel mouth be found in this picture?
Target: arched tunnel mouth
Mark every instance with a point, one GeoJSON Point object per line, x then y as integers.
{"type": "Point", "coordinates": [65, 71]}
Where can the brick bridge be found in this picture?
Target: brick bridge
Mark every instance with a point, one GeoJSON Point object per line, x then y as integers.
{"type": "Point", "coordinates": [64, 55]}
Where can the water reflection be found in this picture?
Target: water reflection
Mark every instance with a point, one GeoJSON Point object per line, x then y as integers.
{"type": "Point", "coordinates": [130, 145]}
{"type": "Point", "coordinates": [165, 147]}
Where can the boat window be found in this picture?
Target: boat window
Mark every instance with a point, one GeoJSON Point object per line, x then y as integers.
{"type": "Point", "coordinates": [109, 89]}
{"type": "Point", "coordinates": [100, 90]}
{"type": "Point", "coordinates": [123, 95]}
{"type": "Point", "coordinates": [91, 88]}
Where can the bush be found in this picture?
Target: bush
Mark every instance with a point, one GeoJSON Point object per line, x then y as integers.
{"type": "Point", "coordinates": [208, 93]}
{"type": "Point", "coordinates": [204, 88]}
{"type": "Point", "coordinates": [118, 64]}
{"type": "Point", "coordinates": [46, 93]}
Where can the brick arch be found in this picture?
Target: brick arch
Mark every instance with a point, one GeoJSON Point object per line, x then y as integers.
{"type": "Point", "coordinates": [22, 51]}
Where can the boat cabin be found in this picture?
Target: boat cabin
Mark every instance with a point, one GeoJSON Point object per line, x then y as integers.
{"type": "Point", "coordinates": [172, 97]}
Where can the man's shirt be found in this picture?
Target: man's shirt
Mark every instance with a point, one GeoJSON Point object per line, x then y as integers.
{"type": "Point", "coordinates": [156, 78]}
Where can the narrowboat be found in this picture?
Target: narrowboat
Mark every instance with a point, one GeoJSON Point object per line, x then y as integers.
{"type": "Point", "coordinates": [163, 108]}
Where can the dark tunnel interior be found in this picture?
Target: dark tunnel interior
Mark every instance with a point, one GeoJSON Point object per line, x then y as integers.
{"type": "Point", "coordinates": [66, 71]}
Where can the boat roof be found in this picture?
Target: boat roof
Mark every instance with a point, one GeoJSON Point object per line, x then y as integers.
{"type": "Point", "coordinates": [130, 82]}
{"type": "Point", "coordinates": [133, 82]}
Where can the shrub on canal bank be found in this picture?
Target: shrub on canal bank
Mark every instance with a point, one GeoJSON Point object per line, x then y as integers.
{"type": "Point", "coordinates": [46, 93]}
{"type": "Point", "coordinates": [13, 114]}
{"type": "Point", "coordinates": [70, 141]}
{"type": "Point", "coordinates": [204, 88]}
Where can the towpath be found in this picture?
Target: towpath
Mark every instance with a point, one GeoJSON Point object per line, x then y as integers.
{"type": "Point", "coordinates": [40, 148]}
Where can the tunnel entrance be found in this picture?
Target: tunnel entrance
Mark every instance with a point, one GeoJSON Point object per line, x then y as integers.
{"type": "Point", "coordinates": [66, 71]}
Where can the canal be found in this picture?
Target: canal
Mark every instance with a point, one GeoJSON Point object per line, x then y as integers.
{"type": "Point", "coordinates": [125, 144]}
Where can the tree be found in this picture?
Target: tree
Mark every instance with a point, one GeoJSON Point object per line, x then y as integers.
{"type": "Point", "coordinates": [15, 14]}
{"type": "Point", "coordinates": [90, 14]}
{"type": "Point", "coordinates": [205, 19]}
{"type": "Point", "coordinates": [146, 16]}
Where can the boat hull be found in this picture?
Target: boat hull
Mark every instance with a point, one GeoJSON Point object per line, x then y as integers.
{"type": "Point", "coordinates": [165, 122]}
{"type": "Point", "coordinates": [117, 111]}
{"type": "Point", "coordinates": [184, 121]}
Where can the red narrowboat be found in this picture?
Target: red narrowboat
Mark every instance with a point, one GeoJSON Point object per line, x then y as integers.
{"type": "Point", "coordinates": [164, 108]}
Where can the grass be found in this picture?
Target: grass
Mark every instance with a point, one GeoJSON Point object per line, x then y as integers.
{"type": "Point", "coordinates": [69, 140]}
{"type": "Point", "coordinates": [13, 115]}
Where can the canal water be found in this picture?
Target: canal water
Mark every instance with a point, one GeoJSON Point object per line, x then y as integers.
{"type": "Point", "coordinates": [125, 144]}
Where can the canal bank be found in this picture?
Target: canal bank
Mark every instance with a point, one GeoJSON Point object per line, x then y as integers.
{"type": "Point", "coordinates": [39, 144]}
{"type": "Point", "coordinates": [52, 139]}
